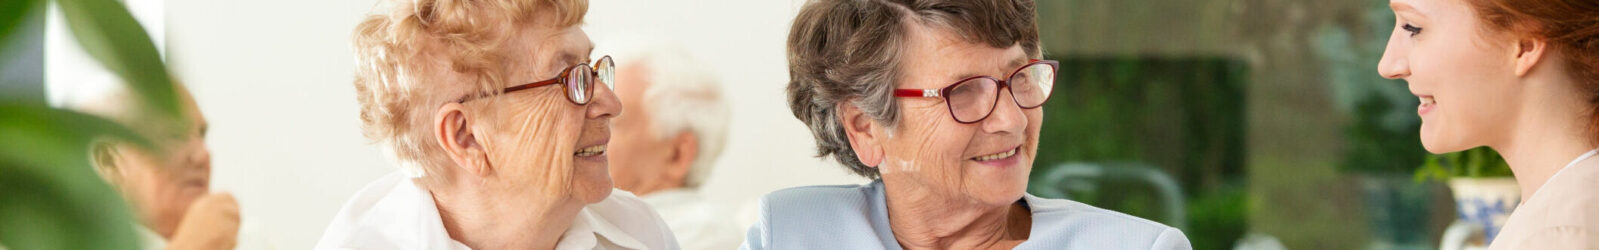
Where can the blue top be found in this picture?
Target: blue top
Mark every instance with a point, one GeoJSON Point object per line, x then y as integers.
{"type": "Point", "coordinates": [856, 217]}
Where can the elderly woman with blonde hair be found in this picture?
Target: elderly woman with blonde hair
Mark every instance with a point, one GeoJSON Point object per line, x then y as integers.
{"type": "Point", "coordinates": [499, 120]}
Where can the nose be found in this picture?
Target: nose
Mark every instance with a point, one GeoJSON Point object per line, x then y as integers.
{"type": "Point", "coordinates": [605, 104]}
{"type": "Point", "coordinates": [1394, 63]}
{"type": "Point", "coordinates": [1007, 117]}
{"type": "Point", "coordinates": [201, 156]}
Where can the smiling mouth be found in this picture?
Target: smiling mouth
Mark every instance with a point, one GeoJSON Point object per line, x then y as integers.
{"type": "Point", "coordinates": [590, 151]}
{"type": "Point", "coordinates": [1427, 100]}
{"type": "Point", "coordinates": [997, 156]}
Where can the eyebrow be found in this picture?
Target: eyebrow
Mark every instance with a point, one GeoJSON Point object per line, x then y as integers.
{"type": "Point", "coordinates": [1008, 69]}
{"type": "Point", "coordinates": [1018, 63]}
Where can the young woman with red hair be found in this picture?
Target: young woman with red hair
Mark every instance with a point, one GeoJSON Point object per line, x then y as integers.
{"type": "Point", "coordinates": [1521, 77]}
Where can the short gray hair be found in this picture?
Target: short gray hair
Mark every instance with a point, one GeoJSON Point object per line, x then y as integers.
{"type": "Point", "coordinates": [846, 52]}
{"type": "Point", "coordinates": [684, 95]}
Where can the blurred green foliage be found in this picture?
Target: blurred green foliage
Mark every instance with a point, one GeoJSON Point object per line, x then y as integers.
{"type": "Point", "coordinates": [1480, 162]}
{"type": "Point", "coordinates": [50, 195]}
{"type": "Point", "coordinates": [1184, 115]}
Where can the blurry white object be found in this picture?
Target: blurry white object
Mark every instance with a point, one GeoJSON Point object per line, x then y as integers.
{"type": "Point", "coordinates": [71, 75]}
{"type": "Point", "coordinates": [1259, 241]}
{"type": "Point", "coordinates": [697, 223]}
{"type": "Point", "coordinates": [1457, 235]}
{"type": "Point", "coordinates": [1485, 203]}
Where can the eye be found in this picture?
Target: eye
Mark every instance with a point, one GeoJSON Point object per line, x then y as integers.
{"type": "Point", "coordinates": [1412, 29]}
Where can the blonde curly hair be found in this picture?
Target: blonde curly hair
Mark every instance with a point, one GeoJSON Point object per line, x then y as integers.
{"type": "Point", "coordinates": [424, 53]}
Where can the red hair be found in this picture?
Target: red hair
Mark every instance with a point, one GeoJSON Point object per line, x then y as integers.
{"type": "Point", "coordinates": [1570, 26]}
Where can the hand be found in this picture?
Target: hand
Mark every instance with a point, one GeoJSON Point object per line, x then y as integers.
{"type": "Point", "coordinates": [212, 223]}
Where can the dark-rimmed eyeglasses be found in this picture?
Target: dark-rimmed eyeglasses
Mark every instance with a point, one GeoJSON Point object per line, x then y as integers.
{"type": "Point", "coordinates": [973, 99]}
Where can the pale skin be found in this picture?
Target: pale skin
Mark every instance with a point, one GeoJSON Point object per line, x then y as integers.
{"type": "Point", "coordinates": [1492, 88]}
{"type": "Point", "coordinates": [645, 162]}
{"type": "Point", "coordinates": [939, 196]}
{"type": "Point", "coordinates": [169, 187]}
{"type": "Point", "coordinates": [515, 179]}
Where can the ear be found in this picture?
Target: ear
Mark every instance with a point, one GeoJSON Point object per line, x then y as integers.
{"type": "Point", "coordinates": [105, 157]}
{"type": "Point", "coordinates": [685, 149]}
{"type": "Point", "coordinates": [453, 132]}
{"type": "Point", "coordinates": [860, 129]}
{"type": "Point", "coordinates": [1529, 51]}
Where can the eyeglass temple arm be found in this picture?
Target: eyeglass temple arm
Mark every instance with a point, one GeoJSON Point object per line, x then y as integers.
{"type": "Point", "coordinates": [916, 92]}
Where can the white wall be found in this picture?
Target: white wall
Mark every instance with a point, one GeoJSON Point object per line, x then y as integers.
{"type": "Point", "coordinates": [274, 79]}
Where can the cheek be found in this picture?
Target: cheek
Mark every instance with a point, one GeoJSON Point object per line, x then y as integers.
{"type": "Point", "coordinates": [535, 144]}
{"type": "Point", "coordinates": [1471, 84]}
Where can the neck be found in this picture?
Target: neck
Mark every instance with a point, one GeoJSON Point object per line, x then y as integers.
{"type": "Point", "coordinates": [1548, 135]}
{"type": "Point", "coordinates": [473, 216]}
{"type": "Point", "coordinates": [921, 220]}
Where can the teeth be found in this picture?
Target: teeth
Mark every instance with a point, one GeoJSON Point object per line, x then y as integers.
{"type": "Point", "coordinates": [590, 151]}
{"type": "Point", "coordinates": [1001, 155]}
{"type": "Point", "coordinates": [1427, 100]}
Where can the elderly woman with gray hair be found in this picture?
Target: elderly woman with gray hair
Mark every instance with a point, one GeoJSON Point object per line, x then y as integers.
{"type": "Point", "coordinates": [499, 120]}
{"type": "Point", "coordinates": [939, 103]}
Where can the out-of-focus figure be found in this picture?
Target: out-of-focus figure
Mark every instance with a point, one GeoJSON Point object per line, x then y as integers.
{"type": "Point", "coordinates": [668, 142]}
{"type": "Point", "coordinates": [168, 183]}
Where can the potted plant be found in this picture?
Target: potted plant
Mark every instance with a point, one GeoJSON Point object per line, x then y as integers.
{"type": "Point", "coordinates": [1485, 193]}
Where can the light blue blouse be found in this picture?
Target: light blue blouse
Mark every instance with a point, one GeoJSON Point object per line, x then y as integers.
{"type": "Point", "coordinates": [856, 217]}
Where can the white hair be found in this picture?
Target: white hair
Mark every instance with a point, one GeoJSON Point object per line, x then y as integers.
{"type": "Point", "coordinates": [684, 96]}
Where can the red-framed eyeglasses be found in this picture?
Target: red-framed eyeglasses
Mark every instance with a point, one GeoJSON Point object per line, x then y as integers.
{"type": "Point", "coordinates": [973, 99]}
{"type": "Point", "coordinates": [578, 81]}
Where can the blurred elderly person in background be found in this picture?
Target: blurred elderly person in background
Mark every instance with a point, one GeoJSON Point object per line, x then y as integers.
{"type": "Point", "coordinates": [939, 103]}
{"type": "Point", "coordinates": [168, 184]}
{"type": "Point", "coordinates": [498, 119]}
{"type": "Point", "coordinates": [675, 127]}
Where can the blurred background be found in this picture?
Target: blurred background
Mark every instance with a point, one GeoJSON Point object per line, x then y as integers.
{"type": "Point", "coordinates": [1252, 124]}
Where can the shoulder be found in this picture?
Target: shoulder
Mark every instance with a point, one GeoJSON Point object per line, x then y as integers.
{"type": "Point", "coordinates": [824, 196]}
{"type": "Point", "coordinates": [365, 208]}
{"type": "Point", "coordinates": [1077, 225]}
{"type": "Point", "coordinates": [814, 217]}
{"type": "Point", "coordinates": [635, 218]}
{"type": "Point", "coordinates": [1566, 201]}
{"type": "Point", "coordinates": [805, 205]}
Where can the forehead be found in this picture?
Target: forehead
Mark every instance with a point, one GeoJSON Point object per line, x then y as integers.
{"type": "Point", "coordinates": [1432, 9]}
{"type": "Point", "coordinates": [934, 53]}
{"type": "Point", "coordinates": [541, 49]}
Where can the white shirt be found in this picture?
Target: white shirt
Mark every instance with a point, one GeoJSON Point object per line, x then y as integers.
{"type": "Point", "coordinates": [249, 238]}
{"type": "Point", "coordinates": [394, 213]}
{"type": "Point", "coordinates": [698, 224]}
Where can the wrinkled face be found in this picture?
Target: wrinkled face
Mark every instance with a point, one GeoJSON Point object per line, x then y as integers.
{"type": "Point", "coordinates": [639, 157]}
{"type": "Point", "coordinates": [542, 146]}
{"type": "Point", "coordinates": [1463, 74]}
{"type": "Point", "coordinates": [985, 162]}
{"type": "Point", "coordinates": [161, 185]}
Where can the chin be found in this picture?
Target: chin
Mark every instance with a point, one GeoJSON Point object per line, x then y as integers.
{"type": "Point", "coordinates": [591, 187]}
{"type": "Point", "coordinates": [1438, 142]}
{"type": "Point", "coordinates": [1001, 191]}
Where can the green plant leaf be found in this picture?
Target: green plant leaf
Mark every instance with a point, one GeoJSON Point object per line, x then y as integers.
{"type": "Point", "coordinates": [13, 13]}
{"type": "Point", "coordinates": [52, 197]}
{"type": "Point", "coordinates": [108, 32]}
